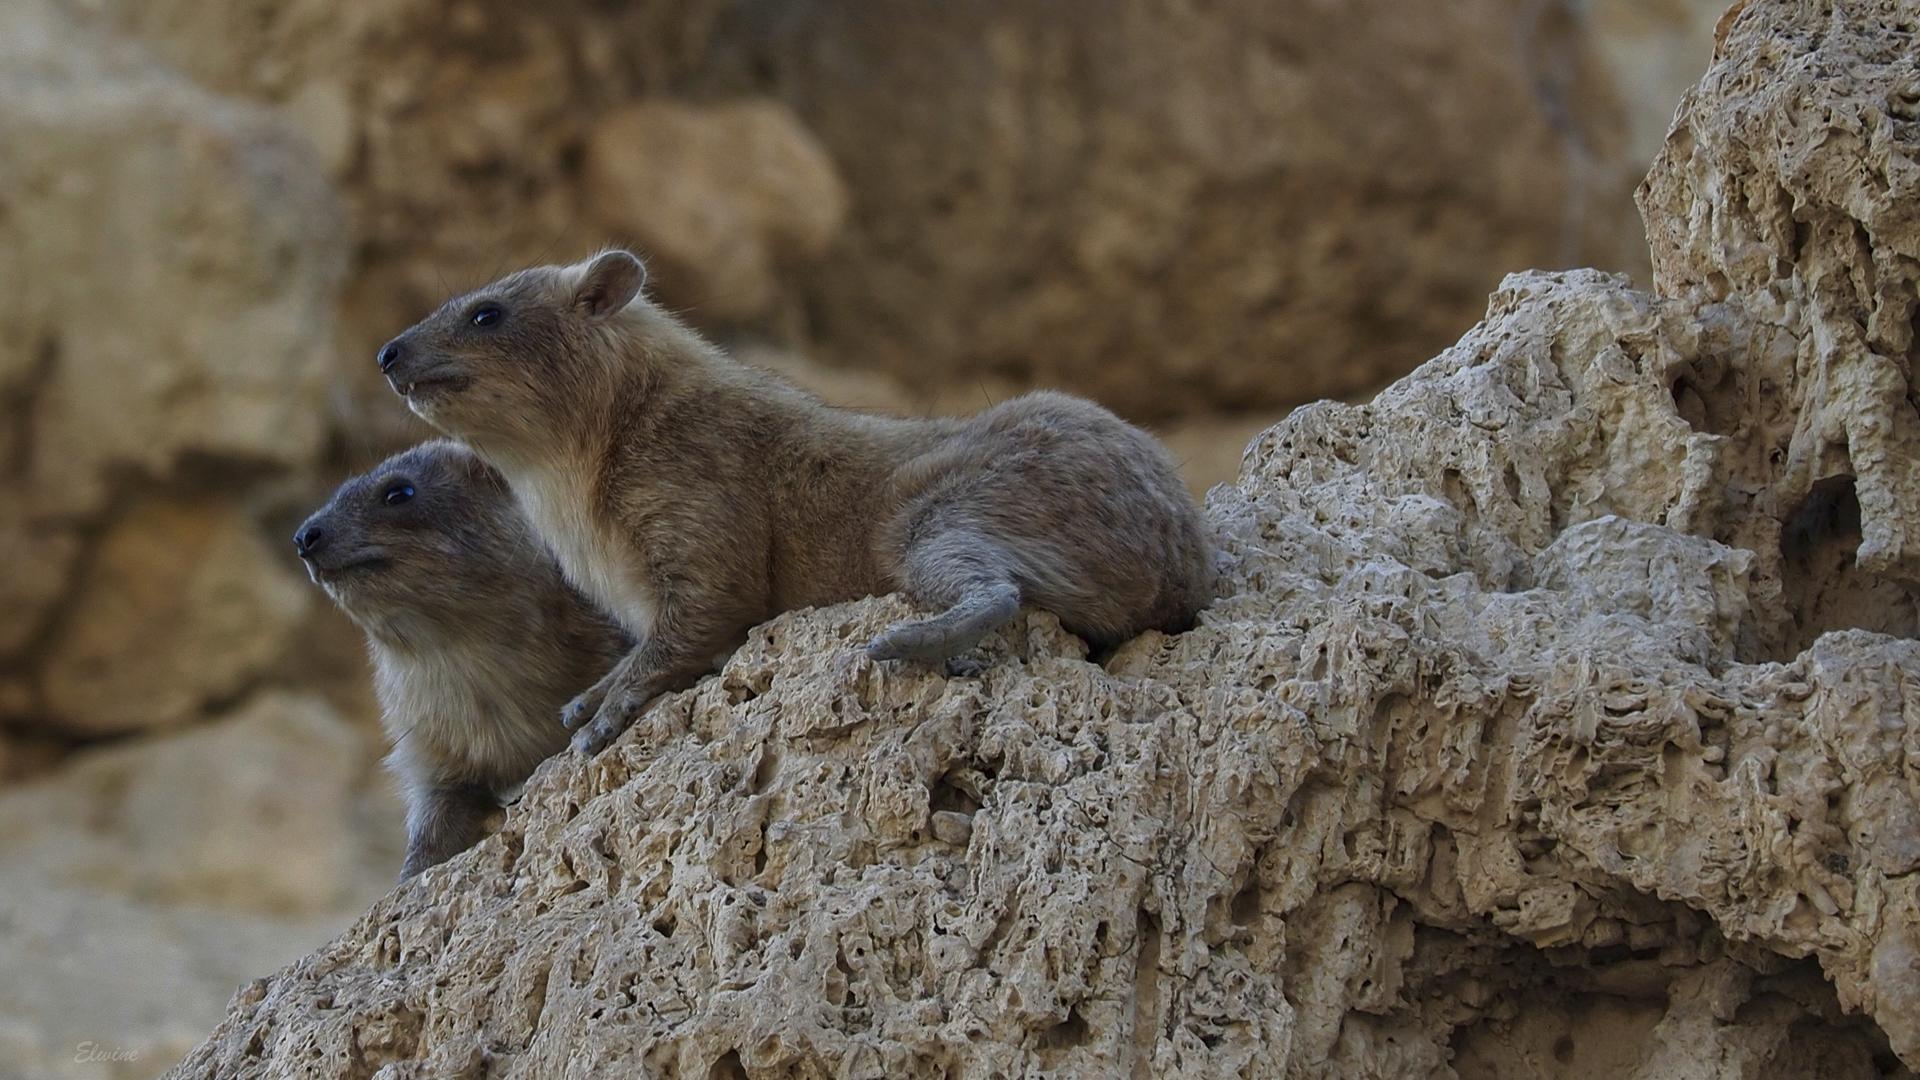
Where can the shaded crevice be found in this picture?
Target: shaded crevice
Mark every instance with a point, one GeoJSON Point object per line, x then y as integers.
{"type": "Point", "coordinates": [1824, 588]}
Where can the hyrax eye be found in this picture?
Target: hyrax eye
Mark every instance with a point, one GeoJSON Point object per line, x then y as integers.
{"type": "Point", "coordinates": [486, 315]}
{"type": "Point", "coordinates": [397, 494]}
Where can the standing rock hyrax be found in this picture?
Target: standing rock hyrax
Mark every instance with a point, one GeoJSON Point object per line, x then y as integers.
{"type": "Point", "coordinates": [477, 639]}
{"type": "Point", "coordinates": [693, 496]}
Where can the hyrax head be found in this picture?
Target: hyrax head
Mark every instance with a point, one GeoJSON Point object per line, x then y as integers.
{"type": "Point", "coordinates": [516, 360]}
{"type": "Point", "coordinates": [430, 532]}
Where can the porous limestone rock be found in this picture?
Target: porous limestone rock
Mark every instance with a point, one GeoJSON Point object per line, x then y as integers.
{"type": "Point", "coordinates": [1790, 190]}
{"type": "Point", "coordinates": [1179, 208]}
{"type": "Point", "coordinates": [1463, 756]}
{"type": "Point", "coordinates": [1557, 718]}
{"type": "Point", "coordinates": [170, 260]}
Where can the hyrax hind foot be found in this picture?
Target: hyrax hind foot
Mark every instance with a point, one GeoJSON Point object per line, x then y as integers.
{"type": "Point", "coordinates": [947, 637]}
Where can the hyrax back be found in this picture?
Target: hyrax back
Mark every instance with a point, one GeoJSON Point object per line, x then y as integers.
{"type": "Point", "coordinates": [476, 637]}
{"type": "Point", "coordinates": [693, 497]}
{"type": "Point", "coordinates": [1046, 500]}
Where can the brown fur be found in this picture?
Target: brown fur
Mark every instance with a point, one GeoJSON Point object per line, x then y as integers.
{"type": "Point", "coordinates": [694, 497]}
{"type": "Point", "coordinates": [476, 638]}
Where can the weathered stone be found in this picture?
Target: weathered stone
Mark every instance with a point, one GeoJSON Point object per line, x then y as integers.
{"type": "Point", "coordinates": [182, 607]}
{"type": "Point", "coordinates": [1180, 208]}
{"type": "Point", "coordinates": [1463, 742]}
{"type": "Point", "coordinates": [145, 881]}
{"type": "Point", "coordinates": [170, 260]}
{"type": "Point", "coordinates": [1790, 188]}
{"type": "Point", "coordinates": [1545, 727]}
{"type": "Point", "coordinates": [712, 195]}
{"type": "Point", "coordinates": [453, 129]}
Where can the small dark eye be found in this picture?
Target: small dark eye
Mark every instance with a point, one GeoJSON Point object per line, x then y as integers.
{"type": "Point", "coordinates": [485, 315]}
{"type": "Point", "coordinates": [398, 494]}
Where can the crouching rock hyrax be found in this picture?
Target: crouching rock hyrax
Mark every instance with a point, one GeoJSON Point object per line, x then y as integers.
{"type": "Point", "coordinates": [477, 639]}
{"type": "Point", "coordinates": [693, 497]}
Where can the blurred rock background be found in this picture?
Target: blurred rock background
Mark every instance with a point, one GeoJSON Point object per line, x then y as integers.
{"type": "Point", "coordinates": [213, 211]}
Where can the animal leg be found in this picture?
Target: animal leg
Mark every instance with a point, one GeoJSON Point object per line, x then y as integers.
{"type": "Point", "coordinates": [689, 631]}
{"type": "Point", "coordinates": [443, 821]}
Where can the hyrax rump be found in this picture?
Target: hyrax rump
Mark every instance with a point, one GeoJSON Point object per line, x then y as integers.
{"type": "Point", "coordinates": [693, 496]}
{"type": "Point", "coordinates": [477, 639]}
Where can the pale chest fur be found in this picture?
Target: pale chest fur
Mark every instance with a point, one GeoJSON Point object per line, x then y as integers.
{"type": "Point", "coordinates": [595, 558]}
{"type": "Point", "coordinates": [464, 711]}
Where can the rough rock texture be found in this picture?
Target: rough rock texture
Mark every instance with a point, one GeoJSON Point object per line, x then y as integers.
{"type": "Point", "coordinates": [1464, 757]}
{"type": "Point", "coordinates": [170, 260]}
{"type": "Point", "coordinates": [1545, 728]}
{"type": "Point", "coordinates": [1790, 192]}
{"type": "Point", "coordinates": [1182, 207]}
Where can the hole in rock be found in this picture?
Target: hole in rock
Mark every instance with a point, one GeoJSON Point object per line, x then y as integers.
{"type": "Point", "coordinates": [728, 1067]}
{"type": "Point", "coordinates": [765, 771]}
{"type": "Point", "coordinates": [1246, 905]}
{"type": "Point", "coordinates": [1526, 1015]}
{"type": "Point", "coordinates": [1146, 1020]}
{"type": "Point", "coordinates": [1823, 588]}
{"type": "Point", "coordinates": [1453, 486]}
{"type": "Point", "coordinates": [954, 792]}
{"type": "Point", "coordinates": [1067, 1033]}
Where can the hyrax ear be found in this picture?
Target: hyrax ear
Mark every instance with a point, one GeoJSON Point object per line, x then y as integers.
{"type": "Point", "coordinates": [612, 281]}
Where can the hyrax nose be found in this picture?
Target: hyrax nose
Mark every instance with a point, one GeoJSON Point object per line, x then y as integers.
{"type": "Point", "coordinates": [309, 540]}
{"type": "Point", "coordinates": [389, 355]}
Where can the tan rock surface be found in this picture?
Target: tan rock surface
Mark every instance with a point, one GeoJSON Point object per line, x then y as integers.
{"type": "Point", "coordinates": [1462, 756]}
{"type": "Point", "coordinates": [143, 882]}
{"type": "Point", "coordinates": [1176, 209]}
{"type": "Point", "coordinates": [170, 259]}
{"type": "Point", "coordinates": [1543, 730]}
{"type": "Point", "coordinates": [454, 130]}
{"type": "Point", "coordinates": [1790, 189]}
{"type": "Point", "coordinates": [182, 607]}
{"type": "Point", "coordinates": [1180, 208]}
{"type": "Point", "coordinates": [1656, 50]}
{"type": "Point", "coordinates": [713, 196]}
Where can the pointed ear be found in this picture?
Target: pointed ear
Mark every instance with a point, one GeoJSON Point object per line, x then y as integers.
{"type": "Point", "coordinates": [613, 279]}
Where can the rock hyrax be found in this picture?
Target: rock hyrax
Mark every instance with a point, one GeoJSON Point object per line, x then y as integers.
{"type": "Point", "coordinates": [693, 497]}
{"type": "Point", "coordinates": [477, 639]}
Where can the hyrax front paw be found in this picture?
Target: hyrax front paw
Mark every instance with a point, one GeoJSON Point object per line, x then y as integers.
{"type": "Point", "coordinates": [583, 708]}
{"type": "Point", "coordinates": [601, 714]}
